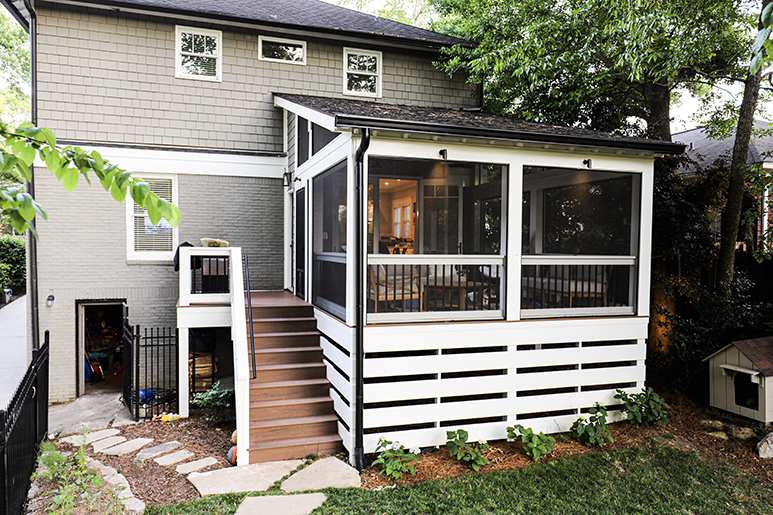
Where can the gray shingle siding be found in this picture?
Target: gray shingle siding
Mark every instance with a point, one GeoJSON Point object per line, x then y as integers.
{"type": "Point", "coordinates": [111, 78]}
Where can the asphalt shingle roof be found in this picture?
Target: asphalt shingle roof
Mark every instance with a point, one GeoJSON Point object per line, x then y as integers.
{"type": "Point", "coordinates": [706, 151]}
{"type": "Point", "coordinates": [308, 14]}
{"type": "Point", "coordinates": [760, 352]}
{"type": "Point", "coordinates": [351, 113]}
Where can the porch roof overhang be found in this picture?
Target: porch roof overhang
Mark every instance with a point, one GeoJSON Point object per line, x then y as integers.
{"type": "Point", "coordinates": [344, 114]}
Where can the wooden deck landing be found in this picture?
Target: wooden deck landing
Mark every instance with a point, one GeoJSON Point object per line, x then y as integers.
{"type": "Point", "coordinates": [275, 299]}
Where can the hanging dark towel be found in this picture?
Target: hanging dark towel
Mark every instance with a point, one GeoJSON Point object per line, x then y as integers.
{"type": "Point", "coordinates": [177, 255]}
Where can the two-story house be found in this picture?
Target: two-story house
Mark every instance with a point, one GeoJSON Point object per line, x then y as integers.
{"type": "Point", "coordinates": [422, 265]}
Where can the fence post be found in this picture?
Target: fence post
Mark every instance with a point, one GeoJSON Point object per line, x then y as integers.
{"type": "Point", "coordinates": [136, 364]}
{"type": "Point", "coordinates": [5, 507]}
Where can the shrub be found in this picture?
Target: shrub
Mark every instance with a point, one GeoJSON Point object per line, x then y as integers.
{"type": "Point", "coordinates": [394, 460]}
{"type": "Point", "coordinates": [13, 252]}
{"type": "Point", "coordinates": [218, 405]}
{"type": "Point", "coordinates": [535, 445]}
{"type": "Point", "coordinates": [5, 272]}
{"type": "Point", "coordinates": [646, 406]}
{"type": "Point", "coordinates": [595, 430]}
{"type": "Point", "coordinates": [460, 449]}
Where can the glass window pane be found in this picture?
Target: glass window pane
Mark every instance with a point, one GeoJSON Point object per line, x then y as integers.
{"type": "Point", "coordinates": [186, 42]}
{"type": "Point", "coordinates": [210, 45]}
{"type": "Point", "coordinates": [198, 44]}
{"type": "Point", "coordinates": [361, 83]}
{"type": "Point", "coordinates": [197, 65]}
{"type": "Point", "coordinates": [362, 63]}
{"type": "Point", "coordinates": [282, 51]}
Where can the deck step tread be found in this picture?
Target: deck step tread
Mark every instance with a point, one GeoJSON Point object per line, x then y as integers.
{"type": "Point", "coordinates": [284, 402]}
{"type": "Point", "coordinates": [287, 334]}
{"type": "Point", "coordinates": [297, 382]}
{"type": "Point", "coordinates": [295, 441]}
{"type": "Point", "coordinates": [296, 421]}
{"type": "Point", "coordinates": [283, 319]}
{"type": "Point", "coordinates": [287, 349]}
{"type": "Point", "coordinates": [289, 365]}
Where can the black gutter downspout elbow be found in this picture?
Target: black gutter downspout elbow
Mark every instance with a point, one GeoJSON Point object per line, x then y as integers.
{"type": "Point", "coordinates": [359, 317]}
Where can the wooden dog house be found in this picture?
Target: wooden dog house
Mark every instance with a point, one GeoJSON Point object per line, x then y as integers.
{"type": "Point", "coordinates": [741, 376]}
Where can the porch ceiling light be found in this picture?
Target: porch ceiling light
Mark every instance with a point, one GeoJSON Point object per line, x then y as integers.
{"type": "Point", "coordinates": [50, 301]}
{"type": "Point", "coordinates": [587, 163]}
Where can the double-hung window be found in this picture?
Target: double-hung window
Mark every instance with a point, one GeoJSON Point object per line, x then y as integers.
{"type": "Point", "coordinates": [198, 53]}
{"type": "Point", "coordinates": [362, 72]}
{"type": "Point", "coordinates": [146, 241]}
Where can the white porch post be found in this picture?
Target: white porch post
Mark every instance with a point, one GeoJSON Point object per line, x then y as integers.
{"type": "Point", "coordinates": [183, 387]}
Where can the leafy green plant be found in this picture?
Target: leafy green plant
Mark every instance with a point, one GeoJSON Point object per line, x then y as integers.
{"type": "Point", "coordinates": [646, 406]}
{"type": "Point", "coordinates": [5, 272]}
{"type": "Point", "coordinates": [218, 405]}
{"type": "Point", "coordinates": [462, 450]}
{"type": "Point", "coordinates": [594, 430]}
{"type": "Point", "coordinates": [13, 252]}
{"type": "Point", "coordinates": [394, 460]}
{"type": "Point", "coordinates": [535, 445]}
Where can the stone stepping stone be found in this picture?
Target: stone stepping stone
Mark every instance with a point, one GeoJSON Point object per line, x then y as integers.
{"type": "Point", "coordinates": [127, 447]}
{"type": "Point", "coordinates": [324, 473]}
{"type": "Point", "coordinates": [193, 466]}
{"type": "Point", "coordinates": [175, 457]}
{"type": "Point", "coordinates": [281, 504]}
{"type": "Point", "coordinates": [99, 445]}
{"type": "Point", "coordinates": [248, 478]}
{"type": "Point", "coordinates": [90, 437]}
{"type": "Point", "coordinates": [152, 452]}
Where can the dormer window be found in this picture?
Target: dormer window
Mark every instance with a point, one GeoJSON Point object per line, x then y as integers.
{"type": "Point", "coordinates": [282, 50]}
{"type": "Point", "coordinates": [198, 53]}
{"type": "Point", "coordinates": [362, 72]}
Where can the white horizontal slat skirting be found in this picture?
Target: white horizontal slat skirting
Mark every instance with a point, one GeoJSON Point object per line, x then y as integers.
{"type": "Point", "coordinates": [339, 382]}
{"type": "Point", "coordinates": [569, 378]}
{"type": "Point", "coordinates": [334, 354]}
{"type": "Point", "coordinates": [341, 408]}
{"type": "Point", "coordinates": [406, 390]}
{"type": "Point", "coordinates": [435, 436]}
{"type": "Point", "coordinates": [382, 417]}
{"type": "Point", "coordinates": [562, 401]}
{"type": "Point", "coordinates": [336, 330]}
{"type": "Point", "coordinates": [569, 356]}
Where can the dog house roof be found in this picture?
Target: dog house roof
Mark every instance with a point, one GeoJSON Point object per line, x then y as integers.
{"type": "Point", "coordinates": [758, 350]}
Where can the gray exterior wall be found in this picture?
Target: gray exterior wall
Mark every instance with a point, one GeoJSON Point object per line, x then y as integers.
{"type": "Point", "coordinates": [82, 254]}
{"type": "Point", "coordinates": [108, 77]}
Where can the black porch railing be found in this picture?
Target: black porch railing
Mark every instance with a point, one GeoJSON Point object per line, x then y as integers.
{"type": "Point", "coordinates": [249, 313]}
{"type": "Point", "coordinates": [210, 274]}
{"type": "Point", "coordinates": [150, 372]}
{"type": "Point", "coordinates": [575, 286]}
{"type": "Point", "coordinates": [24, 425]}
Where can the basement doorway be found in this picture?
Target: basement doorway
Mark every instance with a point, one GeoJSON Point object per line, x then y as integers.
{"type": "Point", "coordinates": [99, 356]}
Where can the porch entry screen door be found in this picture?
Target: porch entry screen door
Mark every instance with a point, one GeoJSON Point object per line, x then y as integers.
{"type": "Point", "coordinates": [329, 221]}
{"type": "Point", "coordinates": [300, 243]}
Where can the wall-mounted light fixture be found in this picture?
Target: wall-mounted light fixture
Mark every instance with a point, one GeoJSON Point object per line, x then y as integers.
{"type": "Point", "coordinates": [443, 153]}
{"type": "Point", "coordinates": [50, 301]}
{"type": "Point", "coordinates": [286, 178]}
{"type": "Point", "coordinates": [587, 163]}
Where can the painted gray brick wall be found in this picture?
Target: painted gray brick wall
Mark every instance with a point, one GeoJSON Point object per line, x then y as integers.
{"type": "Point", "coordinates": [82, 253]}
{"type": "Point", "coordinates": [109, 77]}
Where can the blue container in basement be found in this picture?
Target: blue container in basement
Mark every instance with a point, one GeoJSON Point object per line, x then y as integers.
{"type": "Point", "coordinates": [147, 395]}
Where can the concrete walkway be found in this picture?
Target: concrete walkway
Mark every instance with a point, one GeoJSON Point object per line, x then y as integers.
{"type": "Point", "coordinates": [13, 348]}
{"type": "Point", "coordinates": [95, 411]}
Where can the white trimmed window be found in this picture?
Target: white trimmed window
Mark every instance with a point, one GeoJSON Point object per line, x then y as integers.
{"type": "Point", "coordinates": [146, 241]}
{"type": "Point", "coordinates": [281, 50]}
{"type": "Point", "coordinates": [362, 72]}
{"type": "Point", "coordinates": [198, 53]}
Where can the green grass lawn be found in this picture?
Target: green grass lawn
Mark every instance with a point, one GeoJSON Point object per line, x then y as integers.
{"type": "Point", "coordinates": [657, 480]}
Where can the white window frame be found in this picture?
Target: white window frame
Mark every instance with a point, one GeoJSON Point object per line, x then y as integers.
{"type": "Point", "coordinates": [133, 256]}
{"type": "Point", "coordinates": [378, 74]}
{"type": "Point", "coordinates": [218, 35]}
{"type": "Point", "coordinates": [261, 39]}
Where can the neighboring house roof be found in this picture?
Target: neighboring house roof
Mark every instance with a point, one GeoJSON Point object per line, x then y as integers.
{"type": "Point", "coordinates": [758, 350]}
{"type": "Point", "coordinates": [705, 150]}
{"type": "Point", "coordinates": [344, 113]}
{"type": "Point", "coordinates": [308, 15]}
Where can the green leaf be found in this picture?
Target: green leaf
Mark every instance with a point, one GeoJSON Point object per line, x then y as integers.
{"type": "Point", "coordinates": [152, 205]}
{"type": "Point", "coordinates": [765, 18]}
{"type": "Point", "coordinates": [70, 179]}
{"type": "Point", "coordinates": [118, 192]}
{"type": "Point", "coordinates": [139, 191]}
{"type": "Point", "coordinates": [27, 155]}
{"type": "Point", "coordinates": [53, 161]}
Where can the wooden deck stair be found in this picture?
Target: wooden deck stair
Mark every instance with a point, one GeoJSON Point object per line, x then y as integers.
{"type": "Point", "coordinates": [291, 411]}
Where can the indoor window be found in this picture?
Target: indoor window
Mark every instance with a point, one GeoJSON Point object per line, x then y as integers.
{"type": "Point", "coordinates": [362, 72]}
{"type": "Point", "coordinates": [146, 240]}
{"type": "Point", "coordinates": [282, 50]}
{"type": "Point", "coordinates": [198, 53]}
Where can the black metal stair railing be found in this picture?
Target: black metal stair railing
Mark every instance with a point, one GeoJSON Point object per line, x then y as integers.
{"type": "Point", "coordinates": [249, 312]}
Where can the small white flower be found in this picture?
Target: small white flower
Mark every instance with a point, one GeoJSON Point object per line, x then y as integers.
{"type": "Point", "coordinates": [482, 441]}
{"type": "Point", "coordinates": [395, 446]}
{"type": "Point", "coordinates": [415, 450]}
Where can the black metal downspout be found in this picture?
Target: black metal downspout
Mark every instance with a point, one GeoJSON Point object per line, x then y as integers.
{"type": "Point", "coordinates": [359, 316]}
{"type": "Point", "coordinates": [32, 241]}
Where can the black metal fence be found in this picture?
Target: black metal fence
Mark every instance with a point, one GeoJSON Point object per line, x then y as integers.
{"type": "Point", "coordinates": [210, 274]}
{"type": "Point", "coordinates": [150, 371]}
{"type": "Point", "coordinates": [24, 425]}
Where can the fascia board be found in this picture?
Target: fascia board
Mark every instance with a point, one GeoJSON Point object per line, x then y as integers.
{"type": "Point", "coordinates": [322, 119]}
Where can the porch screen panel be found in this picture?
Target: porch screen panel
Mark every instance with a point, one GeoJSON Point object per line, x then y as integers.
{"type": "Point", "coordinates": [329, 220]}
{"type": "Point", "coordinates": [300, 243]}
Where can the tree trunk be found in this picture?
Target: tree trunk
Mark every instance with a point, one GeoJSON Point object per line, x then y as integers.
{"type": "Point", "coordinates": [657, 98]}
{"type": "Point", "coordinates": [731, 215]}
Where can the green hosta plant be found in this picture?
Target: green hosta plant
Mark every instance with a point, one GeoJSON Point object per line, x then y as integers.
{"type": "Point", "coordinates": [593, 431]}
{"type": "Point", "coordinates": [646, 406]}
{"type": "Point", "coordinates": [462, 450]}
{"type": "Point", "coordinates": [394, 459]}
{"type": "Point", "coordinates": [535, 445]}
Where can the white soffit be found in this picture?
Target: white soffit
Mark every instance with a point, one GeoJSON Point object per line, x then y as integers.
{"type": "Point", "coordinates": [324, 120]}
{"type": "Point", "coordinates": [141, 161]}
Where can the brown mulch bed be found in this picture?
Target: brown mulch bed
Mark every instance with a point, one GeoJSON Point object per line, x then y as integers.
{"type": "Point", "coordinates": [157, 485]}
